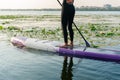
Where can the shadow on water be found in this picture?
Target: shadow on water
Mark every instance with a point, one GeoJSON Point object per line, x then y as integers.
{"type": "Point", "coordinates": [67, 69]}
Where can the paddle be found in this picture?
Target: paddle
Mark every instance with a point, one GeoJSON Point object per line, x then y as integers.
{"type": "Point", "coordinates": [87, 44]}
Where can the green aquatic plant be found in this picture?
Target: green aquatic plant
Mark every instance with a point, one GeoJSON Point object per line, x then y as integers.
{"type": "Point", "coordinates": [6, 22]}
{"type": "Point", "coordinates": [92, 27]}
{"type": "Point", "coordinates": [1, 27]}
{"type": "Point", "coordinates": [13, 16]}
{"type": "Point", "coordinates": [94, 46]}
{"type": "Point", "coordinates": [13, 28]}
{"type": "Point", "coordinates": [43, 31]}
{"type": "Point", "coordinates": [51, 32]}
{"type": "Point", "coordinates": [105, 34]}
{"type": "Point", "coordinates": [109, 34]}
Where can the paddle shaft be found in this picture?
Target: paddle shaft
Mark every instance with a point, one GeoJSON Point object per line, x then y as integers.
{"type": "Point", "coordinates": [87, 44]}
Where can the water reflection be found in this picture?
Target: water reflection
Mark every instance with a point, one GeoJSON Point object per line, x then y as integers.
{"type": "Point", "coordinates": [67, 69]}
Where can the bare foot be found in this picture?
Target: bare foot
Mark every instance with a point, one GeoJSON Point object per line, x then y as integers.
{"type": "Point", "coordinates": [64, 46]}
{"type": "Point", "coordinates": [71, 44]}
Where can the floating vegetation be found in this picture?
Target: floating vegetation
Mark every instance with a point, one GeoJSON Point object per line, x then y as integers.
{"type": "Point", "coordinates": [6, 22]}
{"type": "Point", "coordinates": [96, 32]}
{"type": "Point", "coordinates": [13, 16]}
{"type": "Point", "coordinates": [13, 28]}
{"type": "Point", "coordinates": [1, 27]}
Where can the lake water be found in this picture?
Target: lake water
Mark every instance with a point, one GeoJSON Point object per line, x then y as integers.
{"type": "Point", "coordinates": [28, 64]}
{"type": "Point", "coordinates": [58, 12]}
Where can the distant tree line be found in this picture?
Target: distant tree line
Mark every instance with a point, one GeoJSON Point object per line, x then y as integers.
{"type": "Point", "coordinates": [89, 9]}
{"type": "Point", "coordinates": [98, 9]}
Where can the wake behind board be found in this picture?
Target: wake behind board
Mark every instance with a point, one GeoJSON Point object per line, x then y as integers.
{"type": "Point", "coordinates": [53, 46]}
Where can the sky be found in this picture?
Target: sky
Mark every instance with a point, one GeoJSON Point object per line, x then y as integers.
{"type": "Point", "coordinates": [39, 4]}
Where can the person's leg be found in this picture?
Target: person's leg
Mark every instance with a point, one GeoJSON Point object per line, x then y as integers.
{"type": "Point", "coordinates": [70, 21]}
{"type": "Point", "coordinates": [64, 28]}
{"type": "Point", "coordinates": [71, 33]}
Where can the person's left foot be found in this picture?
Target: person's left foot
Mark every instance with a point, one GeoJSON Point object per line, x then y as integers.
{"type": "Point", "coordinates": [71, 44]}
{"type": "Point", "coordinates": [64, 46]}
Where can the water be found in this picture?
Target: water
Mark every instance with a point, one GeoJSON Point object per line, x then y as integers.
{"type": "Point", "coordinates": [7, 12]}
{"type": "Point", "coordinates": [28, 64]}
{"type": "Point", "coordinates": [29, 12]}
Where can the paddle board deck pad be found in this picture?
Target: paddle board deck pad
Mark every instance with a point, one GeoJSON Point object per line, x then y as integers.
{"type": "Point", "coordinates": [79, 52]}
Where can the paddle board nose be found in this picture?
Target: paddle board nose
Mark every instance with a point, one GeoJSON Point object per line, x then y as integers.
{"type": "Point", "coordinates": [17, 42]}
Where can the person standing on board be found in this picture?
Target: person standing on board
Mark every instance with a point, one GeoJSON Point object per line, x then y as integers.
{"type": "Point", "coordinates": [67, 16]}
